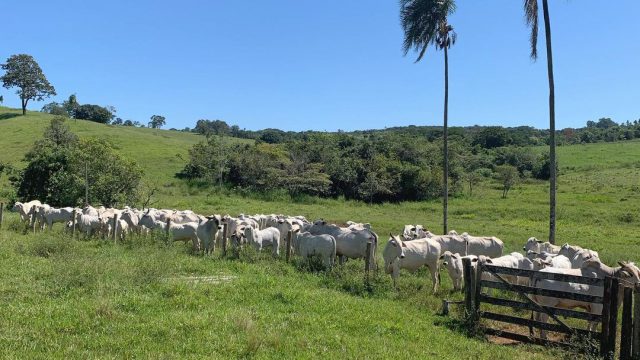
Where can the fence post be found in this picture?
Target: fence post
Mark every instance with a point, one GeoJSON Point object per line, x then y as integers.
{"type": "Point", "coordinates": [73, 224]}
{"type": "Point", "coordinates": [635, 347]}
{"type": "Point", "coordinates": [287, 245]}
{"type": "Point", "coordinates": [467, 276]}
{"type": "Point", "coordinates": [1, 213]}
{"type": "Point", "coordinates": [224, 239]}
{"type": "Point", "coordinates": [33, 218]}
{"type": "Point", "coordinates": [627, 329]}
{"type": "Point", "coordinates": [115, 223]}
{"type": "Point", "coordinates": [478, 290]}
{"type": "Point", "coordinates": [604, 335]}
{"type": "Point", "coordinates": [168, 228]}
{"type": "Point", "coordinates": [367, 262]}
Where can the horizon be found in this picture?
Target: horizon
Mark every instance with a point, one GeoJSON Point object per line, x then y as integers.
{"type": "Point", "coordinates": [319, 69]}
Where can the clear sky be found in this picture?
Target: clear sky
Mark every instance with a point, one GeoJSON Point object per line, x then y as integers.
{"type": "Point", "coordinates": [326, 65]}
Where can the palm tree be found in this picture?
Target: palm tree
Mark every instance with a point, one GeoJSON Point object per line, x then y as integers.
{"type": "Point", "coordinates": [531, 15]}
{"type": "Point", "coordinates": [425, 23]}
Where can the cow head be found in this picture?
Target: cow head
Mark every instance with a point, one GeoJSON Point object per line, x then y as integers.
{"type": "Point", "coordinates": [629, 272]}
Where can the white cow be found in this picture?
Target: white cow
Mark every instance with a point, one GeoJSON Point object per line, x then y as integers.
{"type": "Point", "coordinates": [577, 255]}
{"type": "Point", "coordinates": [88, 224]}
{"type": "Point", "coordinates": [412, 255]}
{"type": "Point", "coordinates": [591, 268]}
{"type": "Point", "coordinates": [26, 209]}
{"type": "Point", "coordinates": [49, 215]}
{"type": "Point", "coordinates": [548, 259]}
{"type": "Point", "coordinates": [306, 245]}
{"type": "Point", "coordinates": [179, 232]}
{"type": "Point", "coordinates": [350, 243]}
{"type": "Point", "coordinates": [262, 238]}
{"type": "Point", "coordinates": [453, 264]}
{"type": "Point", "coordinates": [514, 260]}
{"type": "Point", "coordinates": [469, 245]}
{"type": "Point", "coordinates": [538, 246]}
{"type": "Point", "coordinates": [208, 231]}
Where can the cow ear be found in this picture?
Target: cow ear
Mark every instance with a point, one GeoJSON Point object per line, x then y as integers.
{"type": "Point", "coordinates": [454, 256]}
{"type": "Point", "coordinates": [625, 273]}
{"type": "Point", "coordinates": [441, 257]}
{"type": "Point", "coordinates": [403, 244]}
{"type": "Point", "coordinates": [474, 260]}
{"type": "Point", "coordinates": [489, 261]}
{"type": "Point", "coordinates": [622, 263]}
{"type": "Point", "coordinates": [539, 241]}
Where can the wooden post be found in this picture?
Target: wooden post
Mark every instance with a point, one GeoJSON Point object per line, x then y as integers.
{"type": "Point", "coordinates": [635, 347]}
{"type": "Point", "coordinates": [1, 213]}
{"type": "Point", "coordinates": [115, 224]}
{"type": "Point", "coordinates": [627, 323]}
{"type": "Point", "coordinates": [477, 289]}
{"type": "Point", "coordinates": [168, 228]}
{"type": "Point", "coordinates": [73, 224]}
{"type": "Point", "coordinates": [288, 246]}
{"type": "Point", "coordinates": [467, 273]}
{"type": "Point", "coordinates": [33, 218]}
{"type": "Point", "coordinates": [606, 300]}
{"type": "Point", "coordinates": [613, 317]}
{"type": "Point", "coordinates": [367, 262]}
{"type": "Point", "coordinates": [224, 239]}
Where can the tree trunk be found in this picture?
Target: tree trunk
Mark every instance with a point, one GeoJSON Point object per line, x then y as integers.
{"type": "Point", "coordinates": [553, 179]}
{"type": "Point", "coordinates": [24, 106]}
{"type": "Point", "coordinates": [445, 177]}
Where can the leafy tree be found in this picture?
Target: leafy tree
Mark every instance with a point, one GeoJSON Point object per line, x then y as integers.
{"type": "Point", "coordinates": [425, 23]}
{"type": "Point", "coordinates": [23, 72]}
{"type": "Point", "coordinates": [531, 15]}
{"type": "Point", "coordinates": [56, 165]}
{"type": "Point", "coordinates": [492, 137]}
{"type": "Point", "coordinates": [95, 113]}
{"type": "Point", "coordinates": [473, 178]}
{"type": "Point", "coordinates": [54, 108]}
{"type": "Point", "coordinates": [508, 177]}
{"type": "Point", "coordinates": [117, 121]}
{"type": "Point", "coordinates": [209, 127]}
{"type": "Point", "coordinates": [157, 121]}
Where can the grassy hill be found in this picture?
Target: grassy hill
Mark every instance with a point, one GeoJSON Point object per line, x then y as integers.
{"type": "Point", "coordinates": [161, 153]}
{"type": "Point", "coordinates": [57, 301]}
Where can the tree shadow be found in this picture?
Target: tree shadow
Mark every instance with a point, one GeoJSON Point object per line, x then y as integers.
{"type": "Point", "coordinates": [7, 116]}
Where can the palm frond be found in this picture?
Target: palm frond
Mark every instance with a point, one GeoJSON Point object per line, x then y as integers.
{"type": "Point", "coordinates": [531, 16]}
{"type": "Point", "coordinates": [422, 21]}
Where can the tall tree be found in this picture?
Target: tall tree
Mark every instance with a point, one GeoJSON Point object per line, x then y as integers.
{"type": "Point", "coordinates": [425, 23]}
{"type": "Point", "coordinates": [157, 121]}
{"type": "Point", "coordinates": [531, 15]}
{"type": "Point", "coordinates": [23, 72]}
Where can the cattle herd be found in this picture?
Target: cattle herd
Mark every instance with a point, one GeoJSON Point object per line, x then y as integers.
{"type": "Point", "coordinates": [414, 248]}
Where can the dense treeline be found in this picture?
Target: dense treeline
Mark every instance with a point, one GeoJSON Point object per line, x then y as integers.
{"type": "Point", "coordinates": [372, 166]}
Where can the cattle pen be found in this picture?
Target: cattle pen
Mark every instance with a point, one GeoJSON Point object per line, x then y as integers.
{"type": "Point", "coordinates": [480, 305]}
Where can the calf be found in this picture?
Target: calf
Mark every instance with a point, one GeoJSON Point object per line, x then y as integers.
{"type": "Point", "coordinates": [306, 245]}
{"type": "Point", "coordinates": [262, 238]}
{"type": "Point", "coordinates": [412, 255]}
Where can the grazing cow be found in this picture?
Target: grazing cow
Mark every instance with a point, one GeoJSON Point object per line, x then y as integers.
{"type": "Point", "coordinates": [591, 268]}
{"type": "Point", "coordinates": [132, 219]}
{"type": "Point", "coordinates": [26, 209]}
{"type": "Point", "coordinates": [453, 264]}
{"type": "Point", "coordinates": [48, 216]}
{"type": "Point", "coordinates": [538, 246]}
{"type": "Point", "coordinates": [262, 238]}
{"type": "Point", "coordinates": [179, 232]}
{"type": "Point", "coordinates": [306, 245]}
{"type": "Point", "coordinates": [412, 255]}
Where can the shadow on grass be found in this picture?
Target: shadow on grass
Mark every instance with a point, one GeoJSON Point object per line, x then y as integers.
{"type": "Point", "coordinates": [8, 116]}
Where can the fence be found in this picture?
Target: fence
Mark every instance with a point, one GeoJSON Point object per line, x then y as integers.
{"type": "Point", "coordinates": [476, 301]}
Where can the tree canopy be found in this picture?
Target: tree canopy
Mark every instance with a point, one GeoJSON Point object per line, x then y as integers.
{"type": "Point", "coordinates": [23, 72]}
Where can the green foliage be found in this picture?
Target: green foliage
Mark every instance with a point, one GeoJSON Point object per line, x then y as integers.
{"type": "Point", "coordinates": [94, 113]}
{"type": "Point", "coordinates": [23, 72]}
{"type": "Point", "coordinates": [212, 127]}
{"type": "Point", "coordinates": [157, 121]}
{"type": "Point", "coordinates": [492, 137]}
{"type": "Point", "coordinates": [59, 163]}
{"type": "Point", "coordinates": [508, 177]}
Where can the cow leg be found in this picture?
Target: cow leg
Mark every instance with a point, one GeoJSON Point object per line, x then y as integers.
{"type": "Point", "coordinates": [542, 317]}
{"type": "Point", "coordinates": [435, 276]}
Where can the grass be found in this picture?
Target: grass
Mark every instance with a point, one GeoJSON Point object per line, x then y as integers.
{"type": "Point", "coordinates": [93, 299]}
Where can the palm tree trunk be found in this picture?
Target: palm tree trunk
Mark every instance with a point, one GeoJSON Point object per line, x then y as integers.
{"type": "Point", "coordinates": [445, 188]}
{"type": "Point", "coordinates": [552, 129]}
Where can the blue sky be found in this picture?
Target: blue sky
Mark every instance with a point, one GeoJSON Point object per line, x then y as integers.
{"type": "Point", "coordinates": [326, 65]}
